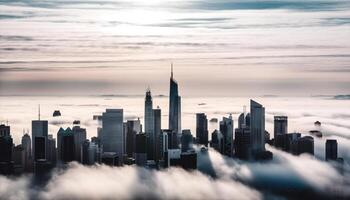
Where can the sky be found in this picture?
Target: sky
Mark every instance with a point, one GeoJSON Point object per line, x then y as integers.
{"type": "Point", "coordinates": [219, 48]}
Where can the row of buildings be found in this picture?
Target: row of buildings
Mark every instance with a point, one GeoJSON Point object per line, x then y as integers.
{"type": "Point", "coordinates": [120, 142]}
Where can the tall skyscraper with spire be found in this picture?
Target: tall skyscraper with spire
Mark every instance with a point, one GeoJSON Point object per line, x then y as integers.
{"type": "Point", "coordinates": [149, 125]}
{"type": "Point", "coordinates": [174, 105]}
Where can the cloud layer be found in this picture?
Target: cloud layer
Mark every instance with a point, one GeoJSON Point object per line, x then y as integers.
{"type": "Point", "coordinates": [286, 176]}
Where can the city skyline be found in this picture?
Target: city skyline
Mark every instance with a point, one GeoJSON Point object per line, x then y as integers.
{"type": "Point", "coordinates": [175, 99]}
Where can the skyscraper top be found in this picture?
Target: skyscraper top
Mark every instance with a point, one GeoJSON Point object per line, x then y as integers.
{"type": "Point", "coordinates": [172, 70]}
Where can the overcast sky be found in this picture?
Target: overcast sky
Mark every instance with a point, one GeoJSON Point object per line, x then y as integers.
{"type": "Point", "coordinates": [227, 48]}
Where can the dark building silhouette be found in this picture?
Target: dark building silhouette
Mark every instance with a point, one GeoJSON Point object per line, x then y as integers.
{"type": "Point", "coordinates": [133, 127]}
{"type": "Point", "coordinates": [186, 140]}
{"type": "Point", "coordinates": [226, 128]}
{"type": "Point", "coordinates": [202, 129]}
{"type": "Point", "coordinates": [149, 125]}
{"type": "Point", "coordinates": [79, 137]}
{"type": "Point", "coordinates": [85, 152]}
{"type": "Point", "coordinates": [40, 148]}
{"type": "Point", "coordinates": [6, 145]}
{"type": "Point", "coordinates": [27, 146]}
{"type": "Point", "coordinates": [280, 129]}
{"type": "Point", "coordinates": [51, 150]}
{"type": "Point", "coordinates": [157, 117]}
{"type": "Point", "coordinates": [65, 145]}
{"type": "Point", "coordinates": [331, 149]}
{"type": "Point", "coordinates": [174, 105]}
{"type": "Point", "coordinates": [217, 141]}
{"type": "Point", "coordinates": [110, 158]}
{"type": "Point", "coordinates": [173, 142]}
{"type": "Point", "coordinates": [241, 120]}
{"type": "Point", "coordinates": [247, 120]}
{"type": "Point", "coordinates": [141, 150]}
{"type": "Point", "coordinates": [18, 158]}
{"type": "Point", "coordinates": [40, 131]}
{"type": "Point", "coordinates": [303, 145]}
{"type": "Point", "coordinates": [243, 143]}
{"type": "Point", "coordinates": [188, 160]}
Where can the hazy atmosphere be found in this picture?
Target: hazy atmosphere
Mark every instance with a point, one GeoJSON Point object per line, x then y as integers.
{"type": "Point", "coordinates": [227, 48]}
{"type": "Point", "coordinates": [87, 111]}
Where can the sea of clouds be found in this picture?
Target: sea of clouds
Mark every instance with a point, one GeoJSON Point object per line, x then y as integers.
{"type": "Point", "coordinates": [217, 177]}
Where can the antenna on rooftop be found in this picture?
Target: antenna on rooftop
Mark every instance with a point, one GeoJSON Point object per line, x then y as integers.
{"type": "Point", "coordinates": [172, 70]}
{"type": "Point", "coordinates": [39, 112]}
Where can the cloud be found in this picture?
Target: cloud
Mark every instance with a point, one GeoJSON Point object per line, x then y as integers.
{"type": "Point", "coordinates": [264, 4]}
{"type": "Point", "coordinates": [285, 176]}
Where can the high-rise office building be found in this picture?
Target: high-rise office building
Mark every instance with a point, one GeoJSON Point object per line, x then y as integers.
{"type": "Point", "coordinates": [226, 128]}
{"type": "Point", "coordinates": [133, 127]}
{"type": "Point", "coordinates": [6, 144]}
{"type": "Point", "coordinates": [280, 129]}
{"type": "Point", "coordinates": [241, 121]}
{"type": "Point", "coordinates": [157, 117]}
{"type": "Point", "coordinates": [331, 149]}
{"type": "Point", "coordinates": [51, 150]}
{"type": "Point", "coordinates": [247, 120]}
{"type": "Point", "coordinates": [302, 145]}
{"type": "Point", "coordinates": [243, 144]}
{"type": "Point", "coordinates": [173, 142]}
{"type": "Point", "coordinates": [257, 127]}
{"type": "Point", "coordinates": [27, 146]}
{"type": "Point", "coordinates": [174, 105]}
{"type": "Point", "coordinates": [217, 141]}
{"type": "Point", "coordinates": [202, 129]}
{"type": "Point", "coordinates": [149, 125]}
{"type": "Point", "coordinates": [4, 130]}
{"type": "Point", "coordinates": [39, 136]}
{"type": "Point", "coordinates": [89, 153]}
{"type": "Point", "coordinates": [79, 137]}
{"type": "Point", "coordinates": [163, 145]}
{"type": "Point", "coordinates": [65, 145]}
{"type": "Point", "coordinates": [141, 150]}
{"type": "Point", "coordinates": [18, 157]}
{"type": "Point", "coordinates": [186, 140]}
{"type": "Point", "coordinates": [112, 133]}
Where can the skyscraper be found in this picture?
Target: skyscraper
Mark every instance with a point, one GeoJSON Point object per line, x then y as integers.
{"type": "Point", "coordinates": [280, 129]}
{"type": "Point", "coordinates": [202, 129]}
{"type": "Point", "coordinates": [174, 105]}
{"type": "Point", "coordinates": [243, 143]}
{"type": "Point", "coordinates": [51, 149]}
{"type": "Point", "coordinates": [241, 121]}
{"type": "Point", "coordinates": [149, 125]}
{"type": "Point", "coordinates": [27, 146]}
{"type": "Point", "coordinates": [112, 132]}
{"type": "Point", "coordinates": [257, 127]}
{"type": "Point", "coordinates": [79, 137]}
{"type": "Point", "coordinates": [303, 145]}
{"type": "Point", "coordinates": [331, 149]}
{"type": "Point", "coordinates": [217, 141]}
{"type": "Point", "coordinates": [133, 127]}
{"type": "Point", "coordinates": [140, 150]}
{"type": "Point", "coordinates": [186, 140]}
{"type": "Point", "coordinates": [39, 136]}
{"type": "Point", "coordinates": [6, 144]}
{"type": "Point", "coordinates": [157, 117]}
{"type": "Point", "coordinates": [226, 128]}
{"type": "Point", "coordinates": [65, 145]}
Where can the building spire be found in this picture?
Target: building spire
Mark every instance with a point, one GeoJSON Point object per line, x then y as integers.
{"type": "Point", "coordinates": [172, 71]}
{"type": "Point", "coordinates": [39, 112]}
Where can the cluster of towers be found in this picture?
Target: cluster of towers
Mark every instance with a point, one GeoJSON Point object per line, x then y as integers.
{"type": "Point", "coordinates": [126, 143]}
